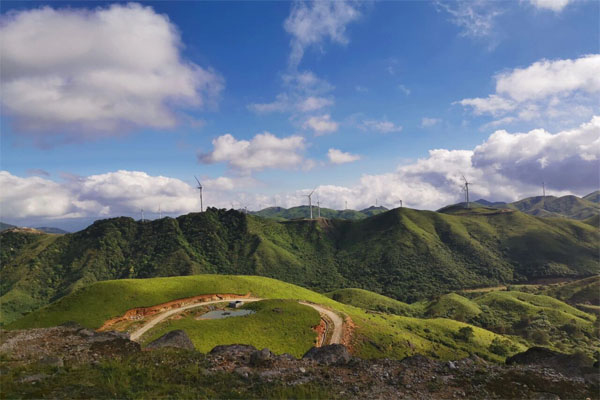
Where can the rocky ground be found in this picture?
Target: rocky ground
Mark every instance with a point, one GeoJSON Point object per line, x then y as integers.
{"type": "Point", "coordinates": [72, 362]}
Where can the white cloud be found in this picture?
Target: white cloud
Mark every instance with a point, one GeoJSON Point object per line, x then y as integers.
{"type": "Point", "coordinates": [554, 5]}
{"type": "Point", "coordinates": [383, 126]}
{"type": "Point", "coordinates": [506, 167]}
{"type": "Point", "coordinates": [304, 92]}
{"type": "Point", "coordinates": [429, 122]}
{"type": "Point", "coordinates": [313, 103]}
{"type": "Point", "coordinates": [265, 150]}
{"type": "Point", "coordinates": [321, 125]}
{"type": "Point", "coordinates": [475, 17]}
{"type": "Point", "coordinates": [339, 157]}
{"type": "Point", "coordinates": [312, 23]}
{"type": "Point", "coordinates": [404, 89]}
{"type": "Point", "coordinates": [96, 72]}
{"type": "Point", "coordinates": [547, 89]}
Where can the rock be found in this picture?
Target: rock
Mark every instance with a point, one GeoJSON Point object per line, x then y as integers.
{"type": "Point", "coordinates": [33, 378]}
{"type": "Point", "coordinates": [302, 369]}
{"type": "Point", "coordinates": [243, 371]}
{"type": "Point", "coordinates": [261, 358]}
{"type": "Point", "coordinates": [452, 365]}
{"type": "Point", "coordinates": [234, 352]}
{"type": "Point", "coordinates": [333, 354]}
{"type": "Point", "coordinates": [569, 364]}
{"type": "Point", "coordinates": [71, 325]}
{"type": "Point", "coordinates": [52, 361]}
{"type": "Point", "coordinates": [286, 357]}
{"type": "Point", "coordinates": [178, 339]}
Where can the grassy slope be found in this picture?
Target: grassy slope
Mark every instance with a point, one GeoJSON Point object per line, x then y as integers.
{"type": "Point", "coordinates": [372, 301]}
{"type": "Point", "coordinates": [283, 326]}
{"type": "Point", "coordinates": [581, 291]}
{"type": "Point", "coordinates": [301, 212]}
{"type": "Point", "coordinates": [375, 335]}
{"type": "Point", "coordinates": [550, 206]}
{"type": "Point", "coordinates": [406, 254]}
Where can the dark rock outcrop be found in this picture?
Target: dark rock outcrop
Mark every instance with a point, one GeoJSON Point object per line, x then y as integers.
{"type": "Point", "coordinates": [570, 364]}
{"type": "Point", "coordinates": [333, 354]}
{"type": "Point", "coordinates": [177, 339]}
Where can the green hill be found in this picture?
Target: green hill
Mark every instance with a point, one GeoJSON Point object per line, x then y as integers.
{"type": "Point", "coordinates": [374, 336]}
{"type": "Point", "coordinates": [303, 212]}
{"type": "Point", "coordinates": [594, 197]}
{"type": "Point", "coordinates": [372, 301]}
{"type": "Point", "coordinates": [583, 291]}
{"type": "Point", "coordinates": [550, 206]}
{"type": "Point", "coordinates": [403, 253]}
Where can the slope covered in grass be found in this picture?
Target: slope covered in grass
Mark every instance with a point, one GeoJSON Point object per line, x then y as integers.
{"type": "Point", "coordinates": [283, 326]}
{"type": "Point", "coordinates": [374, 336]}
{"type": "Point", "coordinates": [405, 254]}
{"type": "Point", "coordinates": [302, 212]}
{"type": "Point", "coordinates": [582, 291]}
{"type": "Point", "coordinates": [372, 301]}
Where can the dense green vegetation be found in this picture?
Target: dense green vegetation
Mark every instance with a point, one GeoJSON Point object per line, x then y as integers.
{"type": "Point", "coordinates": [583, 291]}
{"type": "Point", "coordinates": [403, 253]}
{"type": "Point", "coordinates": [303, 212]}
{"type": "Point", "coordinates": [372, 301]}
{"type": "Point", "coordinates": [284, 326]}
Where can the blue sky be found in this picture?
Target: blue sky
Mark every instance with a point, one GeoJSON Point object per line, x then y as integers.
{"type": "Point", "coordinates": [108, 108]}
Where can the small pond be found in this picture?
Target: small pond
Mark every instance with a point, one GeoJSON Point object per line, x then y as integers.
{"type": "Point", "coordinates": [220, 314]}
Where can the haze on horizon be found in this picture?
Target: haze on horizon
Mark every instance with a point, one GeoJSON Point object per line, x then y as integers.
{"type": "Point", "coordinates": [108, 108]}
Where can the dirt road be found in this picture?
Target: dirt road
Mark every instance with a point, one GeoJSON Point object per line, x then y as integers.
{"type": "Point", "coordinates": [338, 322]}
{"type": "Point", "coordinates": [162, 316]}
{"type": "Point", "coordinates": [336, 337]}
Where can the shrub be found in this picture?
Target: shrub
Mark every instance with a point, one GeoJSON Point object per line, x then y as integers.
{"type": "Point", "coordinates": [465, 334]}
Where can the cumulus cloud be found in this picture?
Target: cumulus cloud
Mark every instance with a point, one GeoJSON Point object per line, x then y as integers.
{"type": "Point", "coordinates": [321, 125]}
{"type": "Point", "coordinates": [429, 122]}
{"type": "Point", "coordinates": [263, 151]}
{"type": "Point", "coordinates": [310, 24]}
{"type": "Point", "coordinates": [339, 157]}
{"type": "Point", "coordinates": [506, 167]}
{"type": "Point", "coordinates": [554, 5]}
{"type": "Point", "coordinates": [382, 126]}
{"type": "Point", "coordinates": [548, 89]}
{"type": "Point", "coordinates": [84, 73]}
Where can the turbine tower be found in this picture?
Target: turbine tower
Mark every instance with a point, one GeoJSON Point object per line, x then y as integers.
{"type": "Point", "coordinates": [467, 183]}
{"type": "Point", "coordinates": [318, 206]}
{"type": "Point", "coordinates": [544, 189]}
{"type": "Point", "coordinates": [400, 203]}
{"type": "Point", "coordinates": [310, 202]}
{"type": "Point", "coordinates": [142, 210]}
{"type": "Point", "coordinates": [159, 212]}
{"type": "Point", "coordinates": [200, 189]}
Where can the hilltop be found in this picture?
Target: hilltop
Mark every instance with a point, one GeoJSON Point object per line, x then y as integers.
{"type": "Point", "coordinates": [402, 253]}
{"type": "Point", "coordinates": [581, 208]}
{"type": "Point", "coordinates": [46, 229]}
{"type": "Point", "coordinates": [303, 212]}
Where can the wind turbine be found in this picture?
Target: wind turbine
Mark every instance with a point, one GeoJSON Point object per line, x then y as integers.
{"type": "Point", "coordinates": [200, 189]}
{"type": "Point", "coordinates": [142, 210]}
{"type": "Point", "coordinates": [310, 202]}
{"type": "Point", "coordinates": [466, 189]}
{"type": "Point", "coordinates": [159, 212]}
{"type": "Point", "coordinates": [400, 203]}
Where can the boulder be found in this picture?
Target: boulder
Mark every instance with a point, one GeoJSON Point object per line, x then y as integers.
{"type": "Point", "coordinates": [261, 358]}
{"type": "Point", "coordinates": [569, 364]}
{"type": "Point", "coordinates": [333, 354]}
{"type": "Point", "coordinates": [178, 339]}
{"type": "Point", "coordinates": [233, 352]}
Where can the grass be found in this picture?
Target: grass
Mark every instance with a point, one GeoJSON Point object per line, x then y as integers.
{"type": "Point", "coordinates": [94, 304]}
{"type": "Point", "coordinates": [283, 326]}
{"type": "Point", "coordinates": [164, 373]}
{"type": "Point", "coordinates": [453, 306]}
{"type": "Point", "coordinates": [581, 291]}
{"type": "Point", "coordinates": [373, 301]}
{"type": "Point", "coordinates": [375, 336]}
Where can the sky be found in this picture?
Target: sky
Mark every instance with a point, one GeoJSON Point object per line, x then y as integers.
{"type": "Point", "coordinates": [111, 108]}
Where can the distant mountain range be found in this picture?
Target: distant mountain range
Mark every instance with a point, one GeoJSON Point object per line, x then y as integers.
{"type": "Point", "coordinates": [585, 208]}
{"type": "Point", "coordinates": [45, 229]}
{"type": "Point", "coordinates": [403, 253]}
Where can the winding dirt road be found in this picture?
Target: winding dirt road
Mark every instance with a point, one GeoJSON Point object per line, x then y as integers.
{"type": "Point", "coordinates": [336, 337]}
